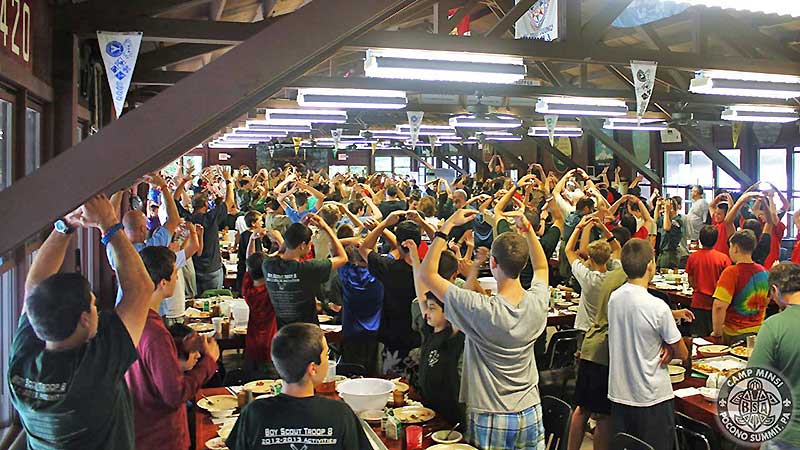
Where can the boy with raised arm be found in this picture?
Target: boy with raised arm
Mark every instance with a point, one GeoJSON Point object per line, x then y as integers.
{"type": "Point", "coordinates": [67, 364]}
{"type": "Point", "coordinates": [500, 379]}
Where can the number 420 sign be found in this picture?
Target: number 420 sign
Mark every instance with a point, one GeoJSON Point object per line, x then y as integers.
{"type": "Point", "coordinates": [15, 28]}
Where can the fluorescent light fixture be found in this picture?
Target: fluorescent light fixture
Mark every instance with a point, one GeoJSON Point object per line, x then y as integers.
{"type": "Point", "coordinates": [269, 126]}
{"type": "Point", "coordinates": [428, 130]}
{"type": "Point", "coordinates": [500, 136]}
{"type": "Point", "coordinates": [257, 133]}
{"type": "Point", "coordinates": [751, 84]}
{"type": "Point", "coordinates": [386, 135]}
{"type": "Point", "coordinates": [443, 66]}
{"type": "Point", "coordinates": [780, 7]}
{"type": "Point", "coordinates": [630, 124]}
{"type": "Point", "coordinates": [581, 106]}
{"type": "Point", "coordinates": [558, 132]}
{"type": "Point", "coordinates": [230, 144]}
{"type": "Point", "coordinates": [351, 98]}
{"type": "Point", "coordinates": [305, 116]}
{"type": "Point", "coordinates": [495, 121]}
{"type": "Point", "coordinates": [754, 113]}
{"type": "Point", "coordinates": [253, 137]}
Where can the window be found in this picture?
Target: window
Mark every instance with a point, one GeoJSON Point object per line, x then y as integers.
{"type": "Point", "coordinates": [8, 313]}
{"type": "Point", "coordinates": [772, 167]}
{"type": "Point", "coordinates": [473, 167]}
{"type": "Point", "coordinates": [383, 164]}
{"type": "Point", "coordinates": [672, 167]}
{"type": "Point", "coordinates": [6, 115]}
{"type": "Point", "coordinates": [724, 180]}
{"type": "Point", "coordinates": [701, 171]}
{"type": "Point", "coordinates": [33, 140]}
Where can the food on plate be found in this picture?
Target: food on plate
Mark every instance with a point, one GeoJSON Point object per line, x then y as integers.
{"type": "Point", "coordinates": [201, 327]}
{"type": "Point", "coordinates": [741, 351]}
{"type": "Point", "coordinates": [708, 351]}
{"type": "Point", "coordinates": [413, 414]}
{"type": "Point", "coordinates": [261, 386]}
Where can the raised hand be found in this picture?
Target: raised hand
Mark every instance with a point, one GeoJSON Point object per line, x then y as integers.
{"type": "Point", "coordinates": [411, 247]}
{"type": "Point", "coordinates": [462, 216]}
{"type": "Point", "coordinates": [98, 212]}
{"type": "Point", "coordinates": [395, 217]}
{"type": "Point", "coordinates": [154, 179]}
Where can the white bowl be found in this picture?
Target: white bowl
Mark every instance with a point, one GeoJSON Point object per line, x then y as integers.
{"type": "Point", "coordinates": [676, 374]}
{"type": "Point", "coordinates": [441, 435]}
{"type": "Point", "coordinates": [488, 283]}
{"type": "Point", "coordinates": [710, 394]}
{"type": "Point", "coordinates": [222, 413]}
{"type": "Point", "coordinates": [365, 393]}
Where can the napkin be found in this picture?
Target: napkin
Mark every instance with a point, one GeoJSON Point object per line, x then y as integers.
{"type": "Point", "coordinates": [224, 420]}
{"type": "Point", "coordinates": [331, 328]}
{"type": "Point", "coordinates": [686, 392]}
{"type": "Point", "coordinates": [700, 341]}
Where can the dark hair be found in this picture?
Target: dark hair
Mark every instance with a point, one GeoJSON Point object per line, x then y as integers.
{"type": "Point", "coordinates": [629, 222]}
{"type": "Point", "coordinates": [583, 203]}
{"type": "Point", "coordinates": [55, 305]}
{"type": "Point", "coordinates": [294, 347]}
{"type": "Point", "coordinates": [448, 264]}
{"type": "Point", "coordinates": [708, 236]}
{"type": "Point", "coordinates": [635, 191]}
{"type": "Point", "coordinates": [272, 203]}
{"type": "Point", "coordinates": [179, 332]}
{"type": "Point", "coordinates": [431, 296]}
{"type": "Point", "coordinates": [622, 234]}
{"type": "Point", "coordinates": [345, 231]}
{"type": "Point", "coordinates": [296, 234]}
{"type": "Point", "coordinates": [408, 229]}
{"type": "Point", "coordinates": [636, 255]}
{"type": "Point", "coordinates": [677, 201]}
{"type": "Point", "coordinates": [254, 265]}
{"type": "Point", "coordinates": [354, 206]}
{"type": "Point", "coordinates": [199, 201]}
{"type": "Point", "coordinates": [699, 188]}
{"type": "Point", "coordinates": [301, 198]}
{"type": "Point", "coordinates": [786, 276]}
{"type": "Point", "coordinates": [391, 191]}
{"type": "Point", "coordinates": [755, 226]}
{"type": "Point", "coordinates": [250, 218]}
{"type": "Point", "coordinates": [159, 262]}
{"type": "Point", "coordinates": [745, 240]}
{"type": "Point", "coordinates": [510, 250]}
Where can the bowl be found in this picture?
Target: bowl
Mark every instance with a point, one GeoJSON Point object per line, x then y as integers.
{"type": "Point", "coordinates": [221, 413]}
{"type": "Point", "coordinates": [440, 437]}
{"type": "Point", "coordinates": [488, 283]}
{"type": "Point", "coordinates": [676, 374]}
{"type": "Point", "coordinates": [709, 394]}
{"type": "Point", "coordinates": [710, 351]}
{"type": "Point", "coordinates": [365, 393]}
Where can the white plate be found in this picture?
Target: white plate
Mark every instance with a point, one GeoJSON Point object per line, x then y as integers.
{"type": "Point", "coordinates": [216, 443]}
{"type": "Point", "coordinates": [225, 431]}
{"type": "Point", "coordinates": [371, 415]}
{"type": "Point", "coordinates": [201, 327]}
{"type": "Point", "coordinates": [414, 414]}
{"type": "Point", "coordinates": [452, 447]}
{"type": "Point", "coordinates": [239, 330]}
{"type": "Point", "coordinates": [218, 403]}
{"type": "Point", "coordinates": [261, 386]}
{"type": "Point", "coordinates": [710, 394]}
{"type": "Point", "coordinates": [573, 308]}
{"type": "Point", "coordinates": [324, 318]}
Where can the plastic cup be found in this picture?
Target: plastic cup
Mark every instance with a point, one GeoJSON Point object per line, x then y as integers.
{"type": "Point", "coordinates": [413, 437]}
{"type": "Point", "coordinates": [217, 322]}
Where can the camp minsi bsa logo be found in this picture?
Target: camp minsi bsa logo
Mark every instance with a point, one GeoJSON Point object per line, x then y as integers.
{"type": "Point", "coordinates": [755, 405]}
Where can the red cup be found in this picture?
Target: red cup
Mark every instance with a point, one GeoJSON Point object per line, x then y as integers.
{"type": "Point", "coordinates": [413, 437]}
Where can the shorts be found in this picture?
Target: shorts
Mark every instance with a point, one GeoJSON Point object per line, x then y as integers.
{"type": "Point", "coordinates": [654, 425]}
{"type": "Point", "coordinates": [591, 388]}
{"type": "Point", "coordinates": [496, 431]}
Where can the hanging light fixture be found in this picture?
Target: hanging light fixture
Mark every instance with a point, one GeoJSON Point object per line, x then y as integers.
{"type": "Point", "coordinates": [266, 125]}
{"type": "Point", "coordinates": [581, 106]}
{"type": "Point", "coordinates": [486, 121]}
{"type": "Point", "coordinates": [351, 98]}
{"type": "Point", "coordinates": [428, 130]}
{"type": "Point", "coordinates": [305, 116]}
{"type": "Point", "coordinates": [241, 131]}
{"type": "Point", "coordinates": [558, 132]}
{"type": "Point", "coordinates": [443, 66]}
{"type": "Point", "coordinates": [385, 135]}
{"type": "Point", "coordinates": [633, 125]}
{"type": "Point", "coordinates": [757, 113]}
{"type": "Point", "coordinates": [500, 136]}
{"type": "Point", "coordinates": [751, 84]}
{"type": "Point", "coordinates": [243, 135]}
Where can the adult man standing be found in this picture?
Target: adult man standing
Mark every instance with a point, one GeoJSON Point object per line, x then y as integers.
{"type": "Point", "coordinates": [697, 213]}
{"type": "Point", "coordinates": [67, 362]}
{"type": "Point", "coordinates": [642, 340]}
{"type": "Point", "coordinates": [157, 382]}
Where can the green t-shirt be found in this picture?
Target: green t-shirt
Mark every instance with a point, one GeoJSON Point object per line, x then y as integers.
{"type": "Point", "coordinates": [74, 399]}
{"type": "Point", "coordinates": [293, 287]}
{"type": "Point", "coordinates": [595, 342]}
{"type": "Point", "coordinates": [778, 348]}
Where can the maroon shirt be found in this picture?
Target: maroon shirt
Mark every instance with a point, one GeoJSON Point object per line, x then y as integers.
{"type": "Point", "coordinates": [262, 324]}
{"type": "Point", "coordinates": [160, 389]}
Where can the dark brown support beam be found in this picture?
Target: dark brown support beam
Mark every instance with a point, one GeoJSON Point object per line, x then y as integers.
{"type": "Point", "coordinates": [19, 142]}
{"type": "Point", "coordinates": [596, 27]}
{"type": "Point", "coordinates": [593, 127]}
{"type": "Point", "coordinates": [654, 41]}
{"type": "Point", "coordinates": [437, 152]}
{"type": "Point", "coordinates": [743, 32]}
{"type": "Point", "coordinates": [66, 60]}
{"type": "Point", "coordinates": [511, 159]}
{"type": "Point", "coordinates": [558, 154]}
{"type": "Point", "coordinates": [149, 137]}
{"type": "Point", "coordinates": [553, 76]}
{"type": "Point", "coordinates": [172, 30]}
{"type": "Point", "coordinates": [700, 33]}
{"type": "Point", "coordinates": [574, 52]}
{"type": "Point", "coordinates": [460, 14]}
{"type": "Point", "coordinates": [158, 77]}
{"type": "Point", "coordinates": [510, 18]}
{"type": "Point", "coordinates": [712, 151]}
{"type": "Point", "coordinates": [572, 20]}
{"type": "Point", "coordinates": [173, 54]}
{"type": "Point", "coordinates": [109, 8]}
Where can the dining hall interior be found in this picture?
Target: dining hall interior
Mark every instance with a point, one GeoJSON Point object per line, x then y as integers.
{"type": "Point", "coordinates": [400, 224]}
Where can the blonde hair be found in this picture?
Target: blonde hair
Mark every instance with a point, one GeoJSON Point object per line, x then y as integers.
{"type": "Point", "coordinates": [427, 206]}
{"type": "Point", "coordinates": [599, 251]}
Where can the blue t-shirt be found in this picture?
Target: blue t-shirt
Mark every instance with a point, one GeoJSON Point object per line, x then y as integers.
{"type": "Point", "coordinates": [297, 216]}
{"type": "Point", "coordinates": [362, 301]}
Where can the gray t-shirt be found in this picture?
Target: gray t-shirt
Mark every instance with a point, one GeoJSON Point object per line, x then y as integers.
{"type": "Point", "coordinates": [638, 325]}
{"type": "Point", "coordinates": [500, 374]}
{"type": "Point", "coordinates": [696, 218]}
{"type": "Point", "coordinates": [589, 301]}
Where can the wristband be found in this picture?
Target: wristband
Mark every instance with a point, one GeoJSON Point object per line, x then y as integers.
{"type": "Point", "coordinates": [110, 233]}
{"type": "Point", "coordinates": [525, 229]}
{"type": "Point", "coordinates": [611, 239]}
{"type": "Point", "coordinates": [439, 234]}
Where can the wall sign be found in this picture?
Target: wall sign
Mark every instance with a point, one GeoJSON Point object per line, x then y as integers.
{"type": "Point", "coordinates": [15, 29]}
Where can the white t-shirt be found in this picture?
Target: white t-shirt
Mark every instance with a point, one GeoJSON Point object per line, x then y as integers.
{"type": "Point", "coordinates": [589, 301]}
{"type": "Point", "coordinates": [240, 225]}
{"type": "Point", "coordinates": [638, 325]}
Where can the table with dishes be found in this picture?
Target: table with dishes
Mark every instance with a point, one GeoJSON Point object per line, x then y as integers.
{"type": "Point", "coordinates": [380, 404]}
{"type": "Point", "coordinates": [674, 283]}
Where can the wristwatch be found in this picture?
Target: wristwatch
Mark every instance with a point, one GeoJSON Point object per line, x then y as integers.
{"type": "Point", "coordinates": [63, 227]}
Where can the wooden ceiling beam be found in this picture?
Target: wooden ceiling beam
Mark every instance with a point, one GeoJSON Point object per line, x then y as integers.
{"type": "Point", "coordinates": [556, 153]}
{"type": "Point", "coordinates": [654, 41]}
{"type": "Point", "coordinates": [173, 54]}
{"type": "Point", "coordinates": [510, 18]}
{"type": "Point", "coordinates": [593, 30]}
{"type": "Point", "coordinates": [593, 127]}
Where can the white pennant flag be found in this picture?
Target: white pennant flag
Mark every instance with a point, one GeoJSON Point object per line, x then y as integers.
{"type": "Point", "coordinates": [540, 21]}
{"type": "Point", "coordinates": [119, 52]}
{"type": "Point", "coordinates": [550, 122]}
{"type": "Point", "coordinates": [337, 135]}
{"type": "Point", "coordinates": [644, 77]}
{"type": "Point", "coordinates": [414, 123]}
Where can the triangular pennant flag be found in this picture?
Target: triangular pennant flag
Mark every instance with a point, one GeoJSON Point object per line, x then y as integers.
{"type": "Point", "coordinates": [414, 123]}
{"type": "Point", "coordinates": [434, 141]}
{"type": "Point", "coordinates": [296, 141]}
{"type": "Point", "coordinates": [119, 52]}
{"type": "Point", "coordinates": [550, 122]}
{"type": "Point", "coordinates": [644, 78]}
{"type": "Point", "coordinates": [374, 147]}
{"type": "Point", "coordinates": [337, 135]}
{"type": "Point", "coordinates": [737, 130]}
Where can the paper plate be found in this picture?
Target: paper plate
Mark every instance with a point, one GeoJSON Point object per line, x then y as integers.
{"type": "Point", "coordinates": [371, 415]}
{"type": "Point", "coordinates": [261, 386]}
{"type": "Point", "coordinates": [452, 447]}
{"type": "Point", "coordinates": [573, 308]}
{"type": "Point", "coordinates": [216, 443]}
{"type": "Point", "coordinates": [324, 318]}
{"type": "Point", "coordinates": [218, 403]}
{"type": "Point", "coordinates": [414, 414]}
{"type": "Point", "coordinates": [201, 327]}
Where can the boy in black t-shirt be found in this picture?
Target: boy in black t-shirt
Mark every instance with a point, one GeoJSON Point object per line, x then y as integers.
{"type": "Point", "coordinates": [296, 418]}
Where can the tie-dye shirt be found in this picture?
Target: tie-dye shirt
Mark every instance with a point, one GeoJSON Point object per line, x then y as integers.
{"type": "Point", "coordinates": [745, 288]}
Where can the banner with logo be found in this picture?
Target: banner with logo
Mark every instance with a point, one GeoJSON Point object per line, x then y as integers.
{"type": "Point", "coordinates": [462, 29]}
{"type": "Point", "coordinates": [539, 22]}
{"type": "Point", "coordinates": [550, 122]}
{"type": "Point", "coordinates": [644, 78]}
{"type": "Point", "coordinates": [737, 130]}
{"type": "Point", "coordinates": [414, 123]}
{"type": "Point", "coordinates": [337, 135]}
{"type": "Point", "coordinates": [119, 52]}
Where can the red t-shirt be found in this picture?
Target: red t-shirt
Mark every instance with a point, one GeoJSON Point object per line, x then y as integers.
{"type": "Point", "coordinates": [704, 268]}
{"type": "Point", "coordinates": [778, 231]}
{"type": "Point", "coordinates": [722, 238]}
{"type": "Point", "coordinates": [796, 251]}
{"type": "Point", "coordinates": [262, 325]}
{"type": "Point", "coordinates": [641, 233]}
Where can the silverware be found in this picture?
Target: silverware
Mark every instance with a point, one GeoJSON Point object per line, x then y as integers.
{"type": "Point", "coordinates": [447, 438]}
{"type": "Point", "coordinates": [208, 400]}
